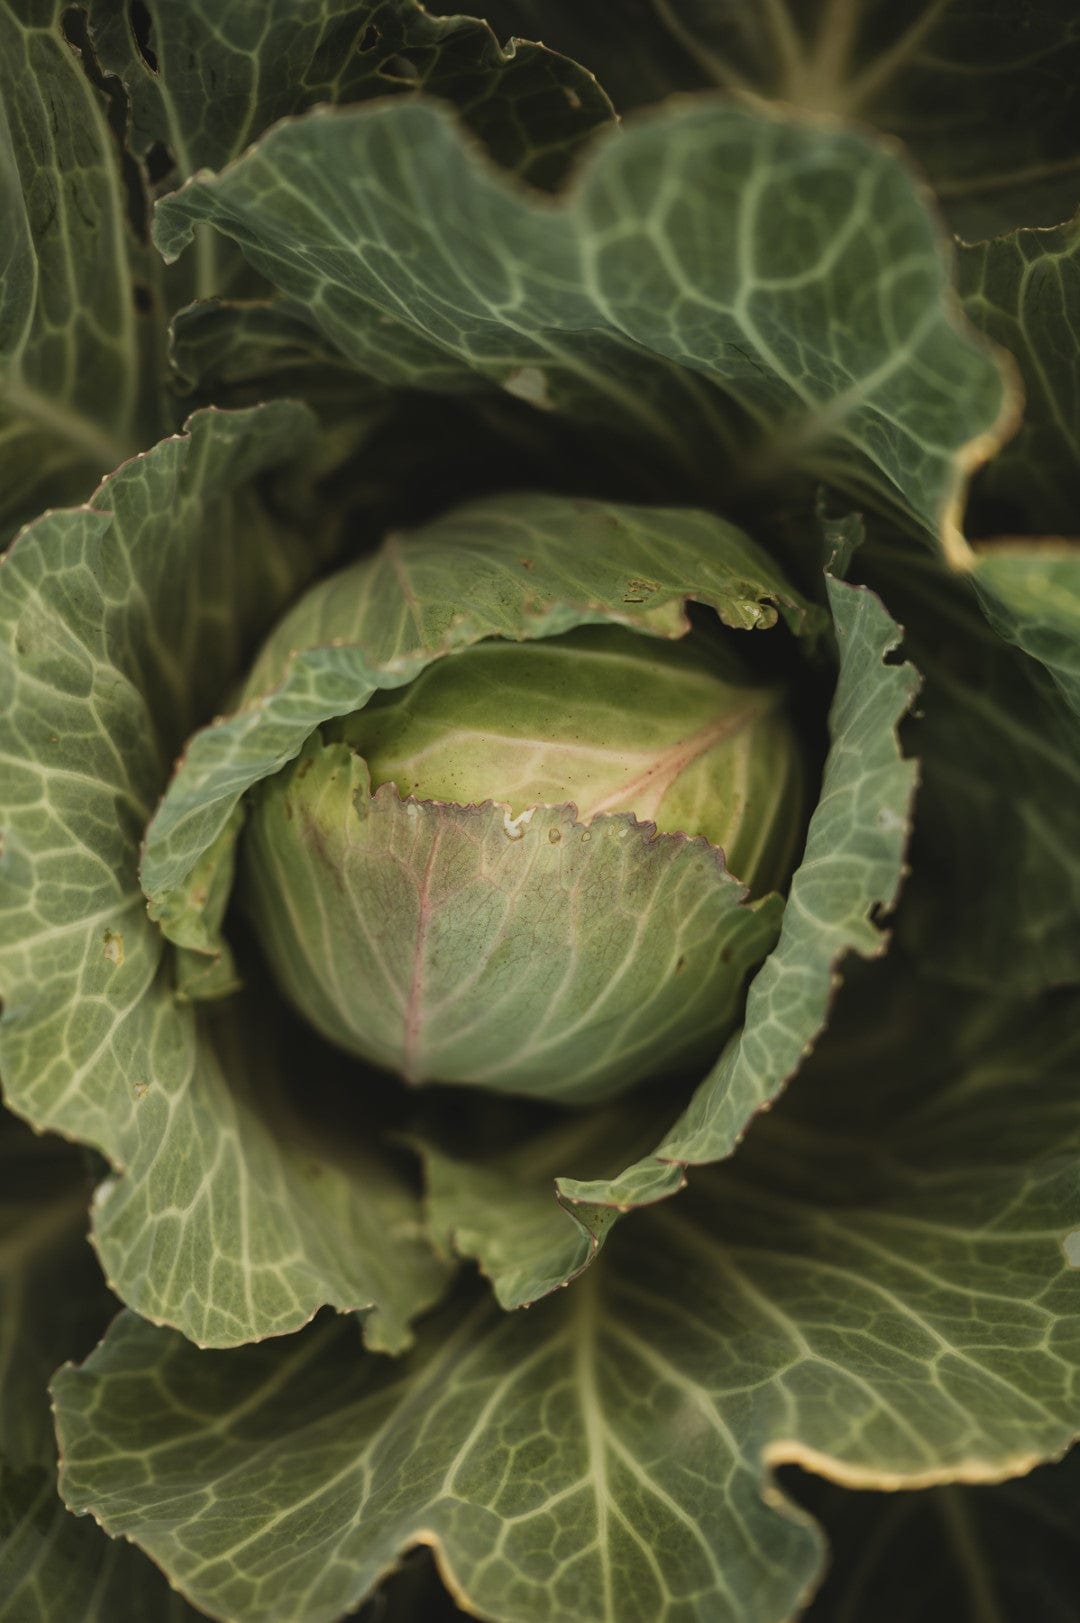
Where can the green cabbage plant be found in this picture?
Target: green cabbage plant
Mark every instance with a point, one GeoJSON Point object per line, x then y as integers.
{"type": "Point", "coordinates": [539, 811]}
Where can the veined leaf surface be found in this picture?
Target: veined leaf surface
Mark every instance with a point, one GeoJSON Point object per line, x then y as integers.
{"type": "Point", "coordinates": [718, 285]}
{"type": "Point", "coordinates": [1022, 291]}
{"type": "Point", "coordinates": [121, 624]}
{"type": "Point", "coordinates": [785, 1310]}
{"type": "Point", "coordinates": [70, 349]}
{"type": "Point", "coordinates": [52, 1301]}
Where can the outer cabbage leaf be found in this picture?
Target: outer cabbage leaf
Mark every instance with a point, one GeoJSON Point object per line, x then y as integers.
{"type": "Point", "coordinates": [53, 1298]}
{"type": "Point", "coordinates": [738, 295]}
{"type": "Point", "coordinates": [880, 1290]}
{"type": "Point", "coordinates": [1024, 292]}
{"type": "Point", "coordinates": [82, 355]}
{"type": "Point", "coordinates": [984, 95]}
{"type": "Point", "coordinates": [850, 873]}
{"type": "Point", "coordinates": [242, 352]}
{"type": "Point", "coordinates": [204, 82]}
{"type": "Point", "coordinates": [54, 1566]}
{"type": "Point", "coordinates": [1031, 594]}
{"type": "Point", "coordinates": [53, 1305]}
{"type": "Point", "coordinates": [121, 624]}
{"type": "Point", "coordinates": [994, 896]}
{"type": "Point", "coordinates": [71, 404]}
{"type": "Point", "coordinates": [493, 1201]}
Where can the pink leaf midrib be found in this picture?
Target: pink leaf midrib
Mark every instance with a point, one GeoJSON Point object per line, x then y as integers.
{"type": "Point", "coordinates": [414, 1001]}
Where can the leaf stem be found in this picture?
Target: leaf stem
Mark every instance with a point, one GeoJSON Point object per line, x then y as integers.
{"type": "Point", "coordinates": [1002, 179]}
{"type": "Point", "coordinates": [887, 63]}
{"type": "Point", "coordinates": [785, 36]}
{"type": "Point", "coordinates": [833, 50]}
{"type": "Point", "coordinates": [206, 285]}
{"type": "Point", "coordinates": [710, 62]}
{"type": "Point", "coordinates": [594, 1424]}
{"type": "Point", "coordinates": [42, 1231]}
{"type": "Point", "coordinates": [985, 1604]}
